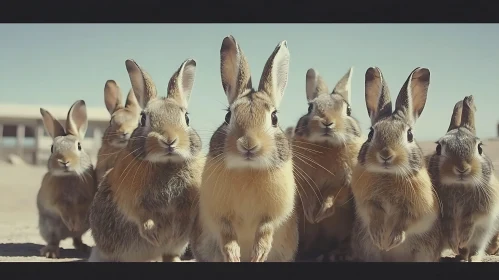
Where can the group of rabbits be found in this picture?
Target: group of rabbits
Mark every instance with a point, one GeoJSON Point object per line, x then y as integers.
{"type": "Point", "coordinates": [317, 191]}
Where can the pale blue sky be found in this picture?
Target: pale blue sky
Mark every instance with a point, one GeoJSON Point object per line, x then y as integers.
{"type": "Point", "coordinates": [60, 63]}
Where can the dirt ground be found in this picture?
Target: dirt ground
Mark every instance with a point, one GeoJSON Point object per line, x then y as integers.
{"type": "Point", "coordinates": [19, 237]}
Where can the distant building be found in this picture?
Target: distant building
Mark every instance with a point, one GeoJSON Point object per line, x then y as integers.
{"type": "Point", "coordinates": [23, 126]}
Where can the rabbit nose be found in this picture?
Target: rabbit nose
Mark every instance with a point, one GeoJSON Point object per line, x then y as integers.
{"type": "Point", "coordinates": [461, 171]}
{"type": "Point", "coordinates": [385, 155]}
{"type": "Point", "coordinates": [64, 163]}
{"type": "Point", "coordinates": [171, 142]}
{"type": "Point", "coordinates": [328, 125]}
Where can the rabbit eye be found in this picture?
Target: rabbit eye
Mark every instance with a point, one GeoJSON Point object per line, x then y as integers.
{"type": "Point", "coordinates": [274, 118]}
{"type": "Point", "coordinates": [142, 119]}
{"type": "Point", "coordinates": [439, 149]}
{"type": "Point", "coordinates": [187, 119]}
{"type": "Point", "coordinates": [480, 150]}
{"type": "Point", "coordinates": [410, 137]}
{"type": "Point", "coordinates": [79, 146]}
{"type": "Point", "coordinates": [349, 110]}
{"type": "Point", "coordinates": [227, 117]}
{"type": "Point", "coordinates": [370, 135]}
{"type": "Point", "coordinates": [310, 107]}
{"type": "Point", "coordinates": [52, 149]}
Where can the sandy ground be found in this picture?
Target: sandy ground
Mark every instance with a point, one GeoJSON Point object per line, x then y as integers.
{"type": "Point", "coordinates": [19, 237]}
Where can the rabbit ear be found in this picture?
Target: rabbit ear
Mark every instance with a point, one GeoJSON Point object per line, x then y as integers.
{"type": "Point", "coordinates": [455, 120]}
{"type": "Point", "coordinates": [378, 102]}
{"type": "Point", "coordinates": [344, 86]}
{"type": "Point", "coordinates": [468, 115]}
{"type": "Point", "coordinates": [112, 96]}
{"type": "Point", "coordinates": [275, 73]}
{"type": "Point", "coordinates": [315, 85]}
{"type": "Point", "coordinates": [54, 127]}
{"type": "Point", "coordinates": [142, 84]}
{"type": "Point", "coordinates": [131, 100]}
{"type": "Point", "coordinates": [77, 123]}
{"type": "Point", "coordinates": [412, 96]}
{"type": "Point", "coordinates": [235, 71]}
{"type": "Point", "coordinates": [180, 85]}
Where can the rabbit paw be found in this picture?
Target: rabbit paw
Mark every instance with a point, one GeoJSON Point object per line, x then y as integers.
{"type": "Point", "coordinates": [149, 231]}
{"type": "Point", "coordinates": [50, 251]}
{"type": "Point", "coordinates": [376, 237]}
{"type": "Point", "coordinates": [393, 240]}
{"type": "Point", "coordinates": [326, 210]}
{"type": "Point", "coordinates": [260, 255]}
{"type": "Point", "coordinates": [232, 252]}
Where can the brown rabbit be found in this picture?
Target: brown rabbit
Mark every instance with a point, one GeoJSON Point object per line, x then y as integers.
{"type": "Point", "coordinates": [464, 179]}
{"type": "Point", "coordinates": [247, 194]}
{"type": "Point", "coordinates": [397, 208]}
{"type": "Point", "coordinates": [124, 120]}
{"type": "Point", "coordinates": [69, 185]}
{"type": "Point", "coordinates": [146, 204]}
{"type": "Point", "coordinates": [325, 147]}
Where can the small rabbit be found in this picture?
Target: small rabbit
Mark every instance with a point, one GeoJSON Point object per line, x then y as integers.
{"type": "Point", "coordinates": [146, 204]}
{"type": "Point", "coordinates": [68, 187]}
{"type": "Point", "coordinates": [464, 179]}
{"type": "Point", "coordinates": [325, 147]}
{"type": "Point", "coordinates": [124, 120]}
{"type": "Point", "coordinates": [247, 194]}
{"type": "Point", "coordinates": [397, 209]}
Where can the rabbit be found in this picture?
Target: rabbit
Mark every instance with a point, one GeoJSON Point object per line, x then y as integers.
{"type": "Point", "coordinates": [325, 147]}
{"type": "Point", "coordinates": [397, 209]}
{"type": "Point", "coordinates": [146, 204]}
{"type": "Point", "coordinates": [246, 203]}
{"type": "Point", "coordinates": [124, 119]}
{"type": "Point", "coordinates": [68, 187]}
{"type": "Point", "coordinates": [464, 179]}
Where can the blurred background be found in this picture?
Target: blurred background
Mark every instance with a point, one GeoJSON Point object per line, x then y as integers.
{"type": "Point", "coordinates": [53, 65]}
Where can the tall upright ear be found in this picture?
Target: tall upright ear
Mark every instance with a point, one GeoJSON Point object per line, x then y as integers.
{"type": "Point", "coordinates": [344, 86]}
{"type": "Point", "coordinates": [52, 125]}
{"type": "Point", "coordinates": [412, 96]}
{"type": "Point", "coordinates": [455, 120]}
{"type": "Point", "coordinates": [468, 115]}
{"type": "Point", "coordinates": [378, 102]}
{"type": "Point", "coordinates": [275, 73]}
{"type": "Point", "coordinates": [315, 85]}
{"type": "Point", "coordinates": [180, 85]}
{"type": "Point", "coordinates": [131, 101]}
{"type": "Point", "coordinates": [77, 122]}
{"type": "Point", "coordinates": [112, 96]}
{"type": "Point", "coordinates": [234, 69]}
{"type": "Point", "coordinates": [142, 84]}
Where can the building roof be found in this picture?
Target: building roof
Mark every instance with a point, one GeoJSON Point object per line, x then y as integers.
{"type": "Point", "coordinates": [29, 111]}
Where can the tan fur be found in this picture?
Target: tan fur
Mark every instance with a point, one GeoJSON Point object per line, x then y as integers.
{"type": "Point", "coordinates": [244, 197]}
{"type": "Point", "coordinates": [53, 192]}
{"type": "Point", "coordinates": [412, 195]}
{"type": "Point", "coordinates": [128, 119]}
{"type": "Point", "coordinates": [318, 177]}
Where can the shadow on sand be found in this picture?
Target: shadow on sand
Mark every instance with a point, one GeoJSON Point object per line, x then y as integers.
{"type": "Point", "coordinates": [33, 250]}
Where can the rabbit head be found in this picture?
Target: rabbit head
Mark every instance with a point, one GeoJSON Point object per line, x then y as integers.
{"type": "Point", "coordinates": [164, 133]}
{"type": "Point", "coordinates": [68, 156]}
{"type": "Point", "coordinates": [124, 119]}
{"type": "Point", "coordinates": [251, 136]}
{"type": "Point", "coordinates": [391, 146]}
{"type": "Point", "coordinates": [460, 155]}
{"type": "Point", "coordinates": [328, 119]}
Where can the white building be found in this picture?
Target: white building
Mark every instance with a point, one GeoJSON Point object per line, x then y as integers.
{"type": "Point", "coordinates": [23, 126]}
